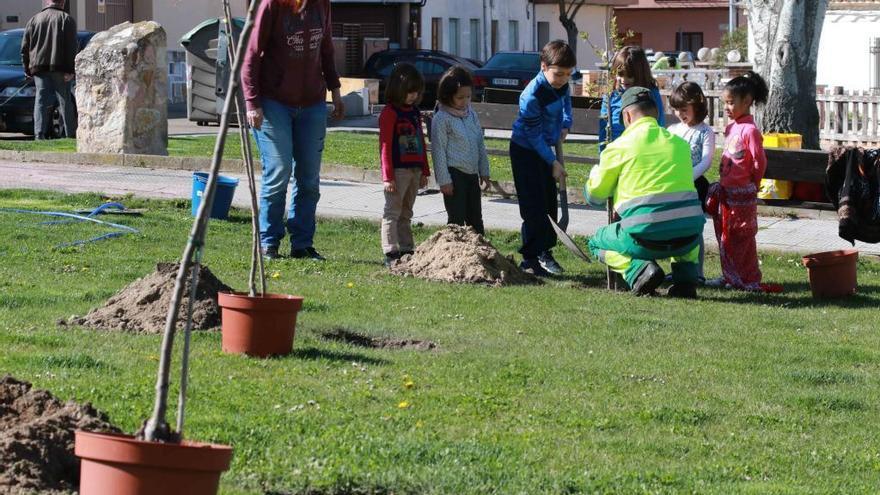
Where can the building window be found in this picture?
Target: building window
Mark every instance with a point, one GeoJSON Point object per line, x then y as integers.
{"type": "Point", "coordinates": [494, 37]}
{"type": "Point", "coordinates": [436, 33]}
{"type": "Point", "coordinates": [475, 39]}
{"type": "Point", "coordinates": [688, 42]}
{"type": "Point", "coordinates": [543, 34]}
{"type": "Point", "coordinates": [454, 37]}
{"type": "Point", "coordinates": [513, 37]}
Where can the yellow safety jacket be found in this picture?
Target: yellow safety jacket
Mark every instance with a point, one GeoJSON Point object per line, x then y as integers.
{"type": "Point", "coordinates": [648, 172]}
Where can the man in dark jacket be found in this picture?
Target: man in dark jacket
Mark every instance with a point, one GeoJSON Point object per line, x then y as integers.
{"type": "Point", "coordinates": [48, 50]}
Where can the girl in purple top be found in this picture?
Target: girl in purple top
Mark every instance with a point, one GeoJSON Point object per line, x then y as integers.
{"type": "Point", "coordinates": [288, 68]}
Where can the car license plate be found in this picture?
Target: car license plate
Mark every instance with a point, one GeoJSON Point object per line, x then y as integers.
{"type": "Point", "coordinates": [505, 82]}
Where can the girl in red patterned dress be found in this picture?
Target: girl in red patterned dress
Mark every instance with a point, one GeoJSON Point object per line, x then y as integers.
{"type": "Point", "coordinates": [733, 201]}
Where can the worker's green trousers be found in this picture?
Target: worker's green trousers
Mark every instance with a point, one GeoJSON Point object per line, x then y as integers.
{"type": "Point", "coordinates": [617, 249]}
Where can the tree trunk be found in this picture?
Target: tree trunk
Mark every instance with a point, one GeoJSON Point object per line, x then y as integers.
{"type": "Point", "coordinates": [786, 34]}
{"type": "Point", "coordinates": [568, 11]}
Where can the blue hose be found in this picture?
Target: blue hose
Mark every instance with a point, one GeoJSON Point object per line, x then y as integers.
{"type": "Point", "coordinates": [124, 229]}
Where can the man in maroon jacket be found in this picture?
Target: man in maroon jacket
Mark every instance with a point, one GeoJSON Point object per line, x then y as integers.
{"type": "Point", "coordinates": [288, 68]}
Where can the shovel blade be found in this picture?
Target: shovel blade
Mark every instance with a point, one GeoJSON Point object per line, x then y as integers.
{"type": "Point", "coordinates": [568, 242]}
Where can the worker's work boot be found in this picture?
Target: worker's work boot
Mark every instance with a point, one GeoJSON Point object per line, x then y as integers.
{"type": "Point", "coordinates": [648, 281]}
{"type": "Point", "coordinates": [683, 290]}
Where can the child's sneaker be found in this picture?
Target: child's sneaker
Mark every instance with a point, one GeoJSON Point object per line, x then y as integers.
{"type": "Point", "coordinates": [533, 266]}
{"type": "Point", "coordinates": [270, 252]}
{"type": "Point", "coordinates": [549, 264]}
{"type": "Point", "coordinates": [390, 258]}
{"type": "Point", "coordinates": [716, 283]}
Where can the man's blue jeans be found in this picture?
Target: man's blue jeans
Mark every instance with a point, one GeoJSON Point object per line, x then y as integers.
{"type": "Point", "coordinates": [291, 141]}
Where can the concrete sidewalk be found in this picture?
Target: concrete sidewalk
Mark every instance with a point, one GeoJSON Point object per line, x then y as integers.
{"type": "Point", "coordinates": [357, 200]}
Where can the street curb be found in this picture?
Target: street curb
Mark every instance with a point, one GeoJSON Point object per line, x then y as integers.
{"type": "Point", "coordinates": [503, 189]}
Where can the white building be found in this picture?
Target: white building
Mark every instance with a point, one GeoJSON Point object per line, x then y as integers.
{"type": "Point", "coordinates": [846, 58]}
{"type": "Point", "coordinates": [176, 16]}
{"type": "Point", "coordinates": [479, 28]}
{"type": "Point", "coordinates": [845, 53]}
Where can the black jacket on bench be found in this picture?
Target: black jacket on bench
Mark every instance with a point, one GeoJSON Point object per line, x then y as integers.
{"type": "Point", "coordinates": [852, 181]}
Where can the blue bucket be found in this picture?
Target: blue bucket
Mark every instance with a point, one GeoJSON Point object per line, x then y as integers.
{"type": "Point", "coordinates": [222, 197]}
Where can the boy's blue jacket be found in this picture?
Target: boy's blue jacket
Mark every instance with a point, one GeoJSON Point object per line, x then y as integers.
{"type": "Point", "coordinates": [617, 119]}
{"type": "Point", "coordinates": [543, 113]}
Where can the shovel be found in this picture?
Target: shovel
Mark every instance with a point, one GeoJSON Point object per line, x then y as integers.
{"type": "Point", "coordinates": [563, 193]}
{"type": "Point", "coordinates": [568, 242]}
{"type": "Point", "coordinates": [562, 226]}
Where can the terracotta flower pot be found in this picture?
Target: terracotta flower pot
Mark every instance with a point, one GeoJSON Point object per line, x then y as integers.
{"type": "Point", "coordinates": [832, 273]}
{"type": "Point", "coordinates": [120, 465]}
{"type": "Point", "coordinates": [259, 326]}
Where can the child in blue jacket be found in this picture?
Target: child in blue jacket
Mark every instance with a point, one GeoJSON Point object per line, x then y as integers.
{"type": "Point", "coordinates": [629, 68]}
{"type": "Point", "coordinates": [544, 120]}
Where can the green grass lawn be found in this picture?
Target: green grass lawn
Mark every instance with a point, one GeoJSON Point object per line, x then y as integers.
{"type": "Point", "coordinates": [342, 148]}
{"type": "Point", "coordinates": [560, 388]}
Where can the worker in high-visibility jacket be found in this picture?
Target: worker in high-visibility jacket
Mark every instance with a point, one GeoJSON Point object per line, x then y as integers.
{"type": "Point", "coordinates": [648, 173]}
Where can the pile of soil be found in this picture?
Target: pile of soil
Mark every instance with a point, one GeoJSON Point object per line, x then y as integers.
{"type": "Point", "coordinates": [460, 254]}
{"type": "Point", "coordinates": [37, 440]}
{"type": "Point", "coordinates": [142, 306]}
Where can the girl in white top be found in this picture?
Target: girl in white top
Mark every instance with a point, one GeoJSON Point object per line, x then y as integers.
{"type": "Point", "coordinates": [690, 107]}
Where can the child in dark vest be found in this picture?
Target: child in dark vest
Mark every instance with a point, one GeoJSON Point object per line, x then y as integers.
{"type": "Point", "coordinates": [404, 158]}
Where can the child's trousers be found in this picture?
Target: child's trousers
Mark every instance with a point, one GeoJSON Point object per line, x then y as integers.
{"type": "Point", "coordinates": [537, 196]}
{"type": "Point", "coordinates": [397, 218]}
{"type": "Point", "coordinates": [464, 207]}
{"type": "Point", "coordinates": [735, 214]}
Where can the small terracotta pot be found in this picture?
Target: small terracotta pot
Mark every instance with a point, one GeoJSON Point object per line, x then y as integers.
{"type": "Point", "coordinates": [832, 273]}
{"type": "Point", "coordinates": [258, 326]}
{"type": "Point", "coordinates": [120, 465]}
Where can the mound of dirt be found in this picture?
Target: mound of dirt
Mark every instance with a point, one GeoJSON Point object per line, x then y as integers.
{"type": "Point", "coordinates": [36, 438]}
{"type": "Point", "coordinates": [142, 306]}
{"type": "Point", "coordinates": [460, 254]}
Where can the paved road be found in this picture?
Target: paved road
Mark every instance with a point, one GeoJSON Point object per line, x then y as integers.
{"type": "Point", "coordinates": [356, 200]}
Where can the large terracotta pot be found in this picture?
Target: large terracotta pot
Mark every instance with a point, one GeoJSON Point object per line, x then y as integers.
{"type": "Point", "coordinates": [259, 326]}
{"type": "Point", "coordinates": [114, 464]}
{"type": "Point", "coordinates": [832, 273]}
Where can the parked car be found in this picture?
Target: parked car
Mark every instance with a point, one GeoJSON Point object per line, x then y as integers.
{"type": "Point", "coordinates": [17, 92]}
{"type": "Point", "coordinates": [431, 63]}
{"type": "Point", "coordinates": [513, 71]}
{"type": "Point", "coordinates": [507, 70]}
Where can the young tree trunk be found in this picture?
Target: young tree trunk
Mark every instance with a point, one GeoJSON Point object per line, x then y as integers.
{"type": "Point", "coordinates": [786, 34]}
{"type": "Point", "coordinates": [568, 10]}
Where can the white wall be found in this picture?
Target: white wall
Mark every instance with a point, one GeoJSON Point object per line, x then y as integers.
{"type": "Point", "coordinates": [590, 19]}
{"type": "Point", "coordinates": [844, 58]}
{"type": "Point", "coordinates": [503, 11]}
{"type": "Point", "coordinates": [179, 16]}
{"type": "Point", "coordinates": [24, 9]}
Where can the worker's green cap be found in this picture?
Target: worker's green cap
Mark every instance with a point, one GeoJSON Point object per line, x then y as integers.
{"type": "Point", "coordinates": [634, 95]}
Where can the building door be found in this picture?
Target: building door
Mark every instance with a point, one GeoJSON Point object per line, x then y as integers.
{"type": "Point", "coordinates": [688, 42]}
{"type": "Point", "coordinates": [104, 14]}
{"type": "Point", "coordinates": [543, 35]}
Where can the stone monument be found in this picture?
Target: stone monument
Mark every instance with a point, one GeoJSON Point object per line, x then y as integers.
{"type": "Point", "coordinates": [122, 91]}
